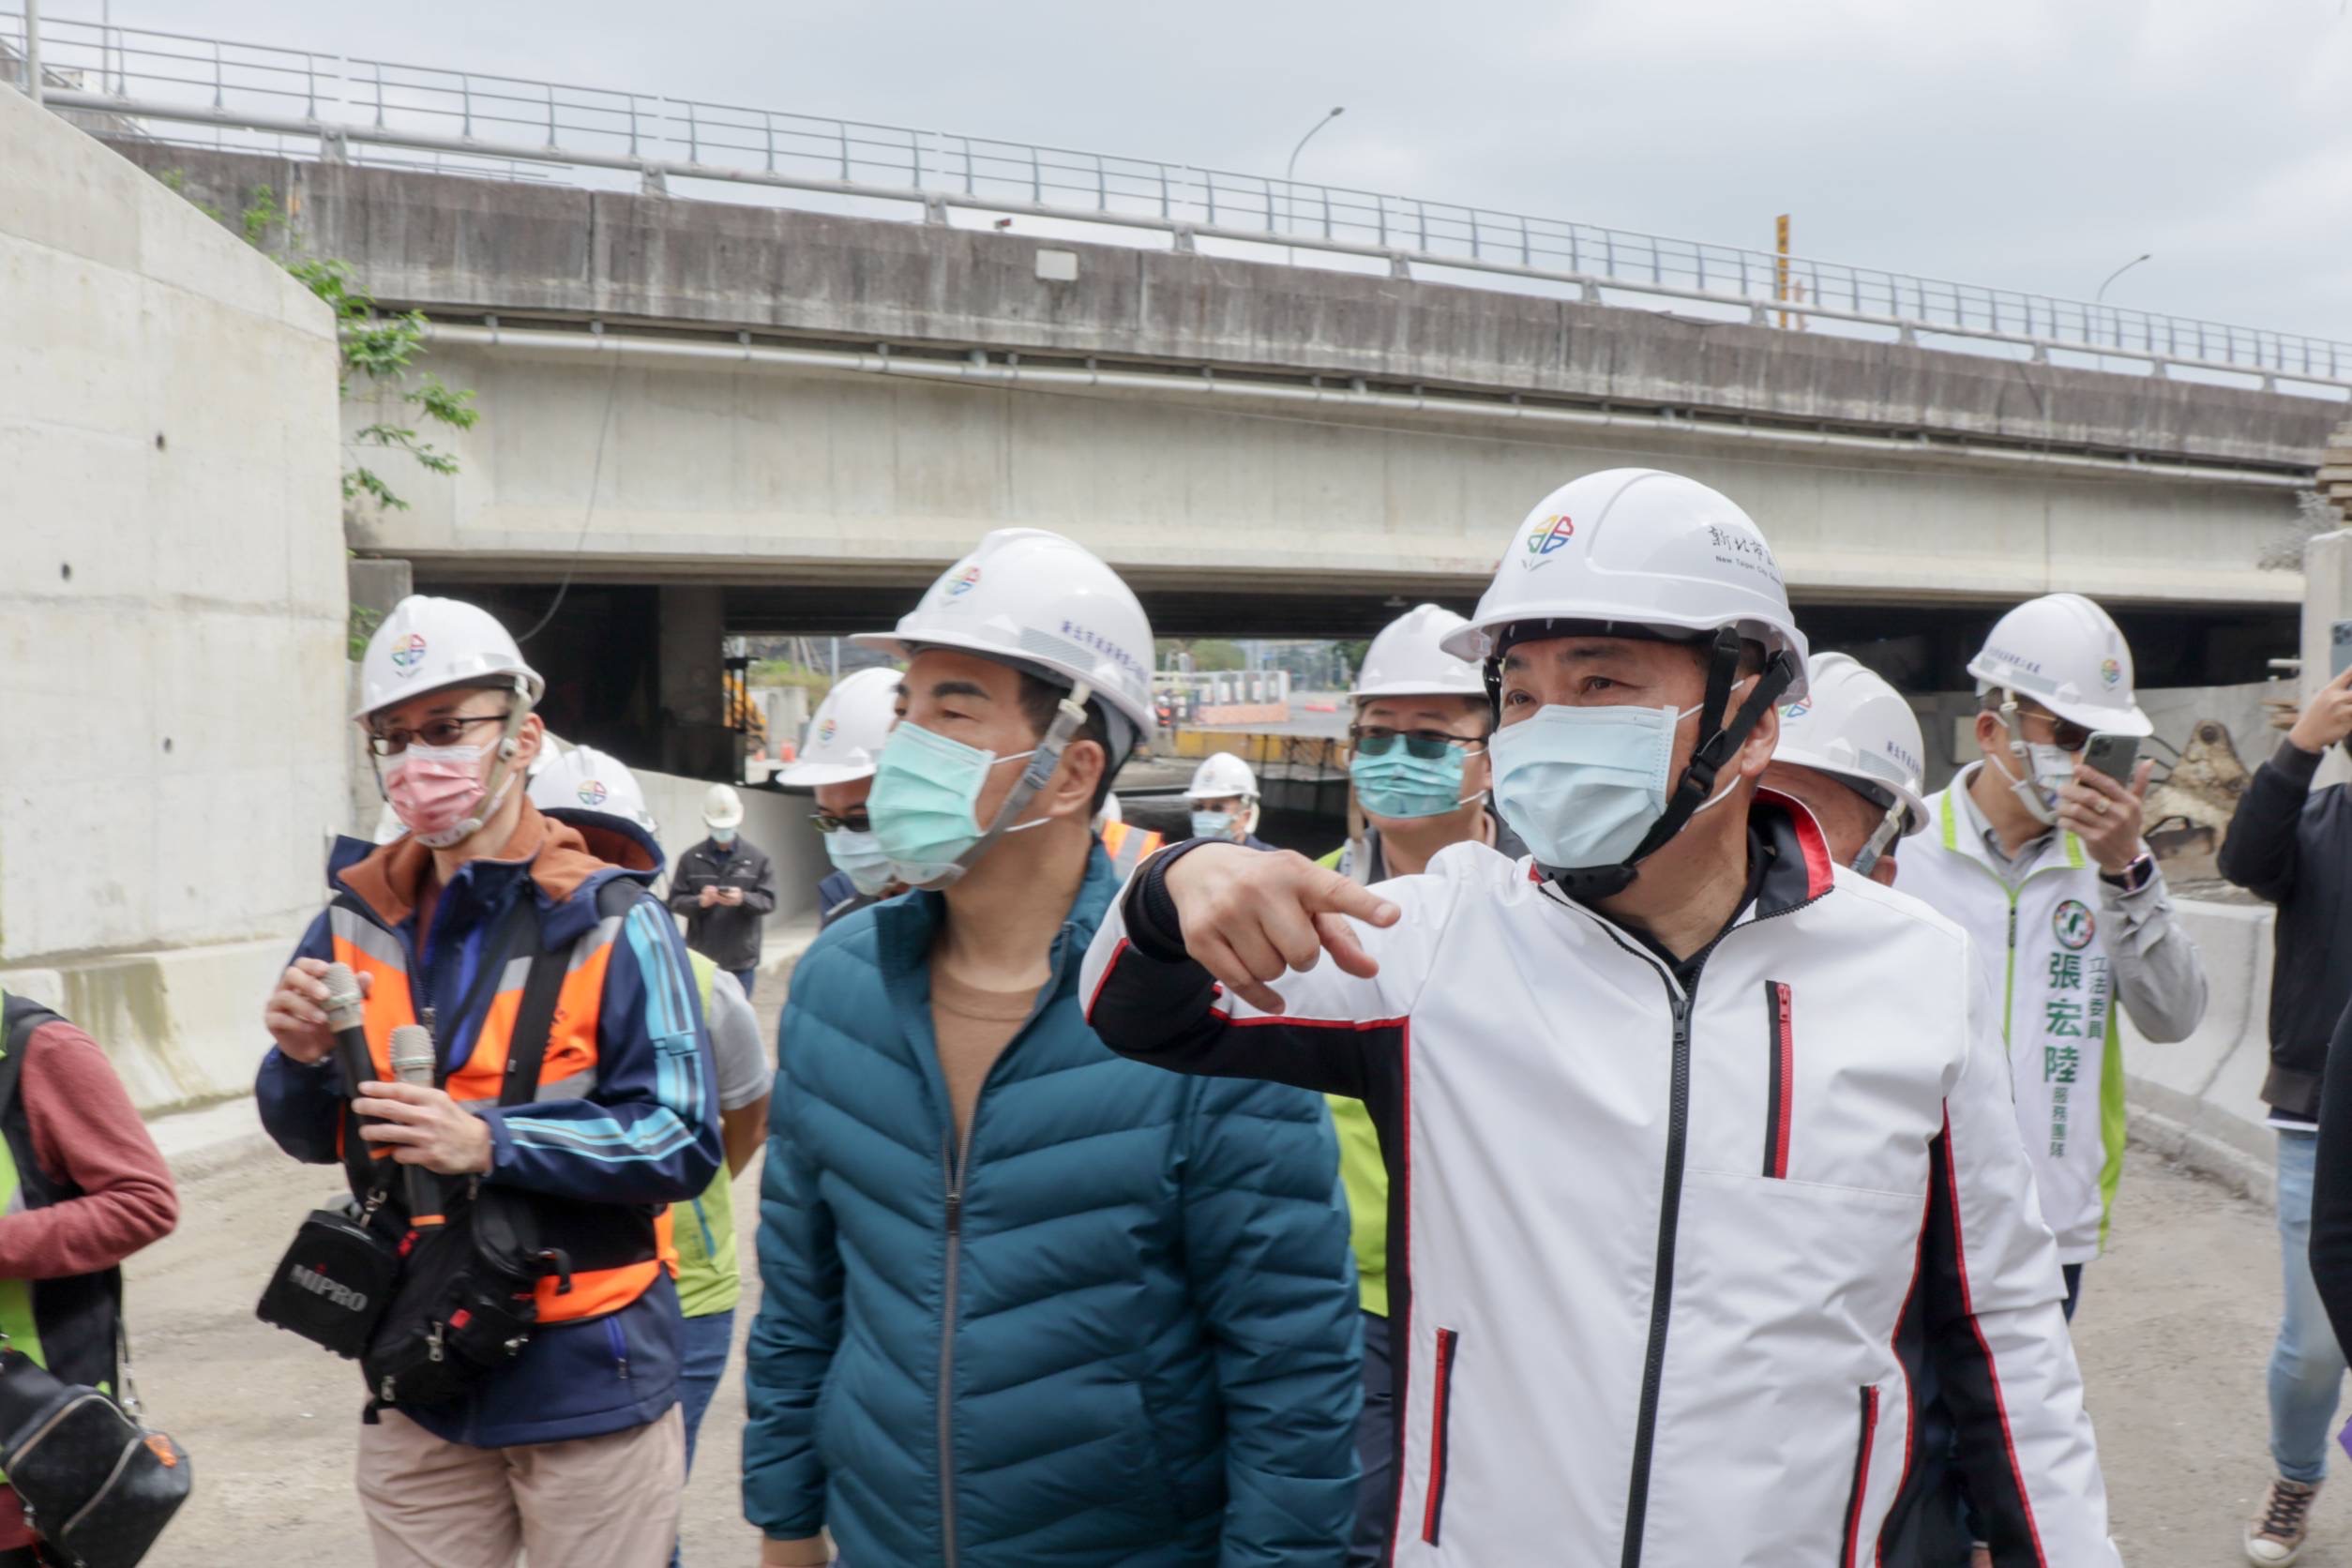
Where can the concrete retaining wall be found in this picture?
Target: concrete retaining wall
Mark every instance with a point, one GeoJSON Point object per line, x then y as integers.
{"type": "Point", "coordinates": [171, 610]}
{"type": "Point", "coordinates": [2199, 1101]}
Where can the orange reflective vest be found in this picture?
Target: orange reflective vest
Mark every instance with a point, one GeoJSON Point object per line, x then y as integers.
{"type": "Point", "coordinates": [1128, 846]}
{"type": "Point", "coordinates": [616, 1250]}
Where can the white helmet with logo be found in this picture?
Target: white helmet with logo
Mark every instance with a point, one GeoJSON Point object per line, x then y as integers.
{"type": "Point", "coordinates": [586, 779]}
{"type": "Point", "coordinates": [1032, 599]}
{"type": "Point", "coordinates": [427, 644]}
{"type": "Point", "coordinates": [2065, 653]}
{"type": "Point", "coordinates": [1855, 726]}
{"type": "Point", "coordinates": [1408, 659]}
{"type": "Point", "coordinates": [1640, 548]}
{"type": "Point", "coordinates": [721, 807]}
{"type": "Point", "coordinates": [1222, 776]}
{"type": "Point", "coordinates": [845, 737]}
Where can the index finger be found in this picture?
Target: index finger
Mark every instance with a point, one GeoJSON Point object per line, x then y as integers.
{"type": "Point", "coordinates": [409, 1093]}
{"type": "Point", "coordinates": [1334, 894]}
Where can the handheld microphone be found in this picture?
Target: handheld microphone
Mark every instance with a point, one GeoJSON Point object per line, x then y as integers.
{"type": "Point", "coordinates": [413, 1062]}
{"type": "Point", "coordinates": [344, 1015]}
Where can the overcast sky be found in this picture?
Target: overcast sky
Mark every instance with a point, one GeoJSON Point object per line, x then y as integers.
{"type": "Point", "coordinates": [2029, 144]}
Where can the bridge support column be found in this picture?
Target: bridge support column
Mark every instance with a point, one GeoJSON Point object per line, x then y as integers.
{"type": "Point", "coordinates": [695, 740]}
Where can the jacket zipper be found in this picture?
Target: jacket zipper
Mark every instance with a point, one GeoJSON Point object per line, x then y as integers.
{"type": "Point", "coordinates": [620, 1344]}
{"type": "Point", "coordinates": [955, 1161]}
{"type": "Point", "coordinates": [1441, 1414]}
{"type": "Point", "coordinates": [1780, 1077]}
{"type": "Point", "coordinates": [1670, 1217]}
{"type": "Point", "coordinates": [1851, 1554]}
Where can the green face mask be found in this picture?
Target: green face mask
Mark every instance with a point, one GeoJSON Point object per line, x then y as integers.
{"type": "Point", "coordinates": [925, 789]}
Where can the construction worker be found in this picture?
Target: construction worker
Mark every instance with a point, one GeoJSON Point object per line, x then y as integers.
{"type": "Point", "coordinates": [1676, 1072]}
{"type": "Point", "coordinates": [1850, 753]}
{"type": "Point", "coordinates": [1127, 845]}
{"type": "Point", "coordinates": [1417, 753]}
{"type": "Point", "coordinates": [573, 1450]}
{"type": "Point", "coordinates": [1224, 801]}
{"type": "Point", "coordinates": [726, 888]}
{"type": "Point", "coordinates": [87, 1189]}
{"type": "Point", "coordinates": [844, 739]}
{"type": "Point", "coordinates": [1023, 1302]}
{"type": "Point", "coordinates": [1418, 767]}
{"type": "Point", "coordinates": [594, 790]}
{"type": "Point", "coordinates": [2040, 858]}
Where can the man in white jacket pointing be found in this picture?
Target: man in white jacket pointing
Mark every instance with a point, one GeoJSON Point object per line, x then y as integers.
{"type": "Point", "coordinates": [1700, 1148]}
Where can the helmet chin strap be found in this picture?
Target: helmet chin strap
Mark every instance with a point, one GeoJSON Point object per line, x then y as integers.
{"type": "Point", "coordinates": [1880, 837]}
{"type": "Point", "coordinates": [1069, 715]}
{"type": "Point", "coordinates": [2027, 791]}
{"type": "Point", "coordinates": [1696, 791]}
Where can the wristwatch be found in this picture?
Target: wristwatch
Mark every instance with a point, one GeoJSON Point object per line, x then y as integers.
{"type": "Point", "coordinates": [2132, 877]}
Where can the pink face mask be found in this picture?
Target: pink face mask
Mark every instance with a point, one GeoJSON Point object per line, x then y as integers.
{"type": "Point", "coordinates": [437, 793]}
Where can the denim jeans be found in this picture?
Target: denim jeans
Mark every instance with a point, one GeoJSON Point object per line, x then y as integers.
{"type": "Point", "coordinates": [747, 979]}
{"type": "Point", "coordinates": [2306, 1366]}
{"type": "Point", "coordinates": [701, 1362]}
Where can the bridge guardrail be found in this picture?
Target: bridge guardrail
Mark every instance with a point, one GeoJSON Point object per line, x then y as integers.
{"type": "Point", "coordinates": [505, 125]}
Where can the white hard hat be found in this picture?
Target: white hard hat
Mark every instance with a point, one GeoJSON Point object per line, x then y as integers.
{"type": "Point", "coordinates": [1853, 726]}
{"type": "Point", "coordinates": [2065, 653]}
{"type": "Point", "coordinates": [721, 806]}
{"type": "Point", "coordinates": [847, 736]}
{"type": "Point", "coordinates": [427, 644]}
{"type": "Point", "coordinates": [1027, 596]}
{"type": "Point", "coordinates": [1408, 659]}
{"type": "Point", "coordinates": [586, 779]}
{"type": "Point", "coordinates": [1642, 548]}
{"type": "Point", "coordinates": [1220, 776]}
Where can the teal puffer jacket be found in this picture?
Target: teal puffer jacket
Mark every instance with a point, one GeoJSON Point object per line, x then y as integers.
{"type": "Point", "coordinates": [1127, 1335]}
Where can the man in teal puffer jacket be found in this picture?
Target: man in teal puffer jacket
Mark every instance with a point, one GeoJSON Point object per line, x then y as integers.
{"type": "Point", "coordinates": [1025, 1303]}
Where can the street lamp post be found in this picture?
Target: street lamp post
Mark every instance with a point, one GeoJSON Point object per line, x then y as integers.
{"type": "Point", "coordinates": [2100, 297]}
{"type": "Point", "coordinates": [1289, 172]}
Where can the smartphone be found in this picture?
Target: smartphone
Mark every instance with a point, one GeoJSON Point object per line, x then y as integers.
{"type": "Point", "coordinates": [2113, 755]}
{"type": "Point", "coordinates": [2339, 649]}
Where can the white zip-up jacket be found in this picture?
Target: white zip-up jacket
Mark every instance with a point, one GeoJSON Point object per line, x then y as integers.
{"type": "Point", "coordinates": [1668, 1254]}
{"type": "Point", "coordinates": [2059, 946]}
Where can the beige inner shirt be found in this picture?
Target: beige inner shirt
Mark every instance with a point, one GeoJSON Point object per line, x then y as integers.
{"type": "Point", "coordinates": [974, 1027]}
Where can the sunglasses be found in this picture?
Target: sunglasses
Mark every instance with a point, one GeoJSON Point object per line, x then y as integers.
{"type": "Point", "coordinates": [855, 822]}
{"type": "Point", "coordinates": [1374, 740]}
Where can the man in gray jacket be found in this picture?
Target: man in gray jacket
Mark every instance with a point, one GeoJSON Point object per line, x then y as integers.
{"type": "Point", "coordinates": [726, 888]}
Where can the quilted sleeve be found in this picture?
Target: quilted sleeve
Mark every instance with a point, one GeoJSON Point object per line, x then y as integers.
{"type": "Point", "coordinates": [1266, 1250]}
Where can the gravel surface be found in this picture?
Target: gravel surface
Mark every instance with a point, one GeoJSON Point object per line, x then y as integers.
{"type": "Point", "coordinates": [2175, 1325]}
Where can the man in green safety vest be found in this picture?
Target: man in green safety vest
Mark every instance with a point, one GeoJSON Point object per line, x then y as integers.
{"type": "Point", "coordinates": [583, 782]}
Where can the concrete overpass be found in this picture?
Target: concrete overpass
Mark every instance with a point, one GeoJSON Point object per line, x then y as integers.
{"type": "Point", "coordinates": [817, 412]}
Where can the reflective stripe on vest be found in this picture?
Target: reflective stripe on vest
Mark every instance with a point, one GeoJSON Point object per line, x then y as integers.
{"type": "Point", "coordinates": [568, 1071]}
{"type": "Point", "coordinates": [1128, 845]}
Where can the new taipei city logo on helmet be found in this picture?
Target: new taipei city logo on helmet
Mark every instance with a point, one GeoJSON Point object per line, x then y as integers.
{"type": "Point", "coordinates": [2111, 671]}
{"type": "Point", "coordinates": [592, 792]}
{"type": "Point", "coordinates": [408, 653]}
{"type": "Point", "coordinates": [826, 730]}
{"type": "Point", "coordinates": [965, 582]}
{"type": "Point", "coordinates": [1545, 537]}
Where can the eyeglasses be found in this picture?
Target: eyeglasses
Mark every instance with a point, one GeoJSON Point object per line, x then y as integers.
{"type": "Point", "coordinates": [1374, 740]}
{"type": "Point", "coordinates": [434, 731]}
{"type": "Point", "coordinates": [2064, 735]}
{"type": "Point", "coordinates": [854, 820]}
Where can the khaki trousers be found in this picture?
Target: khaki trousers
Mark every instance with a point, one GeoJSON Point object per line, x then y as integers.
{"type": "Point", "coordinates": [593, 1503]}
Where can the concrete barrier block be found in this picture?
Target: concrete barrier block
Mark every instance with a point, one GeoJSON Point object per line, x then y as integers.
{"type": "Point", "coordinates": [183, 1027]}
{"type": "Point", "coordinates": [2199, 1100]}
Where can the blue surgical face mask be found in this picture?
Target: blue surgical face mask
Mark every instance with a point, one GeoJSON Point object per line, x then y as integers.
{"type": "Point", "coordinates": [722, 837]}
{"type": "Point", "coordinates": [856, 856]}
{"type": "Point", "coordinates": [1400, 785]}
{"type": "Point", "coordinates": [1582, 787]}
{"type": "Point", "coordinates": [925, 792]}
{"type": "Point", "coordinates": [1212, 825]}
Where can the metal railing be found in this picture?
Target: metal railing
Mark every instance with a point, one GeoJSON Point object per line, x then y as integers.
{"type": "Point", "coordinates": [346, 106]}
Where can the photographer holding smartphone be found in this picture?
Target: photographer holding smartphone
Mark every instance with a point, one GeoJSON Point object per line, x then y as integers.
{"type": "Point", "coordinates": [2292, 845]}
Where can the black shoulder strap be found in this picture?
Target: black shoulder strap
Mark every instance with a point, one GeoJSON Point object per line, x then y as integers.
{"type": "Point", "coordinates": [18, 1018]}
{"type": "Point", "coordinates": [534, 1018]}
